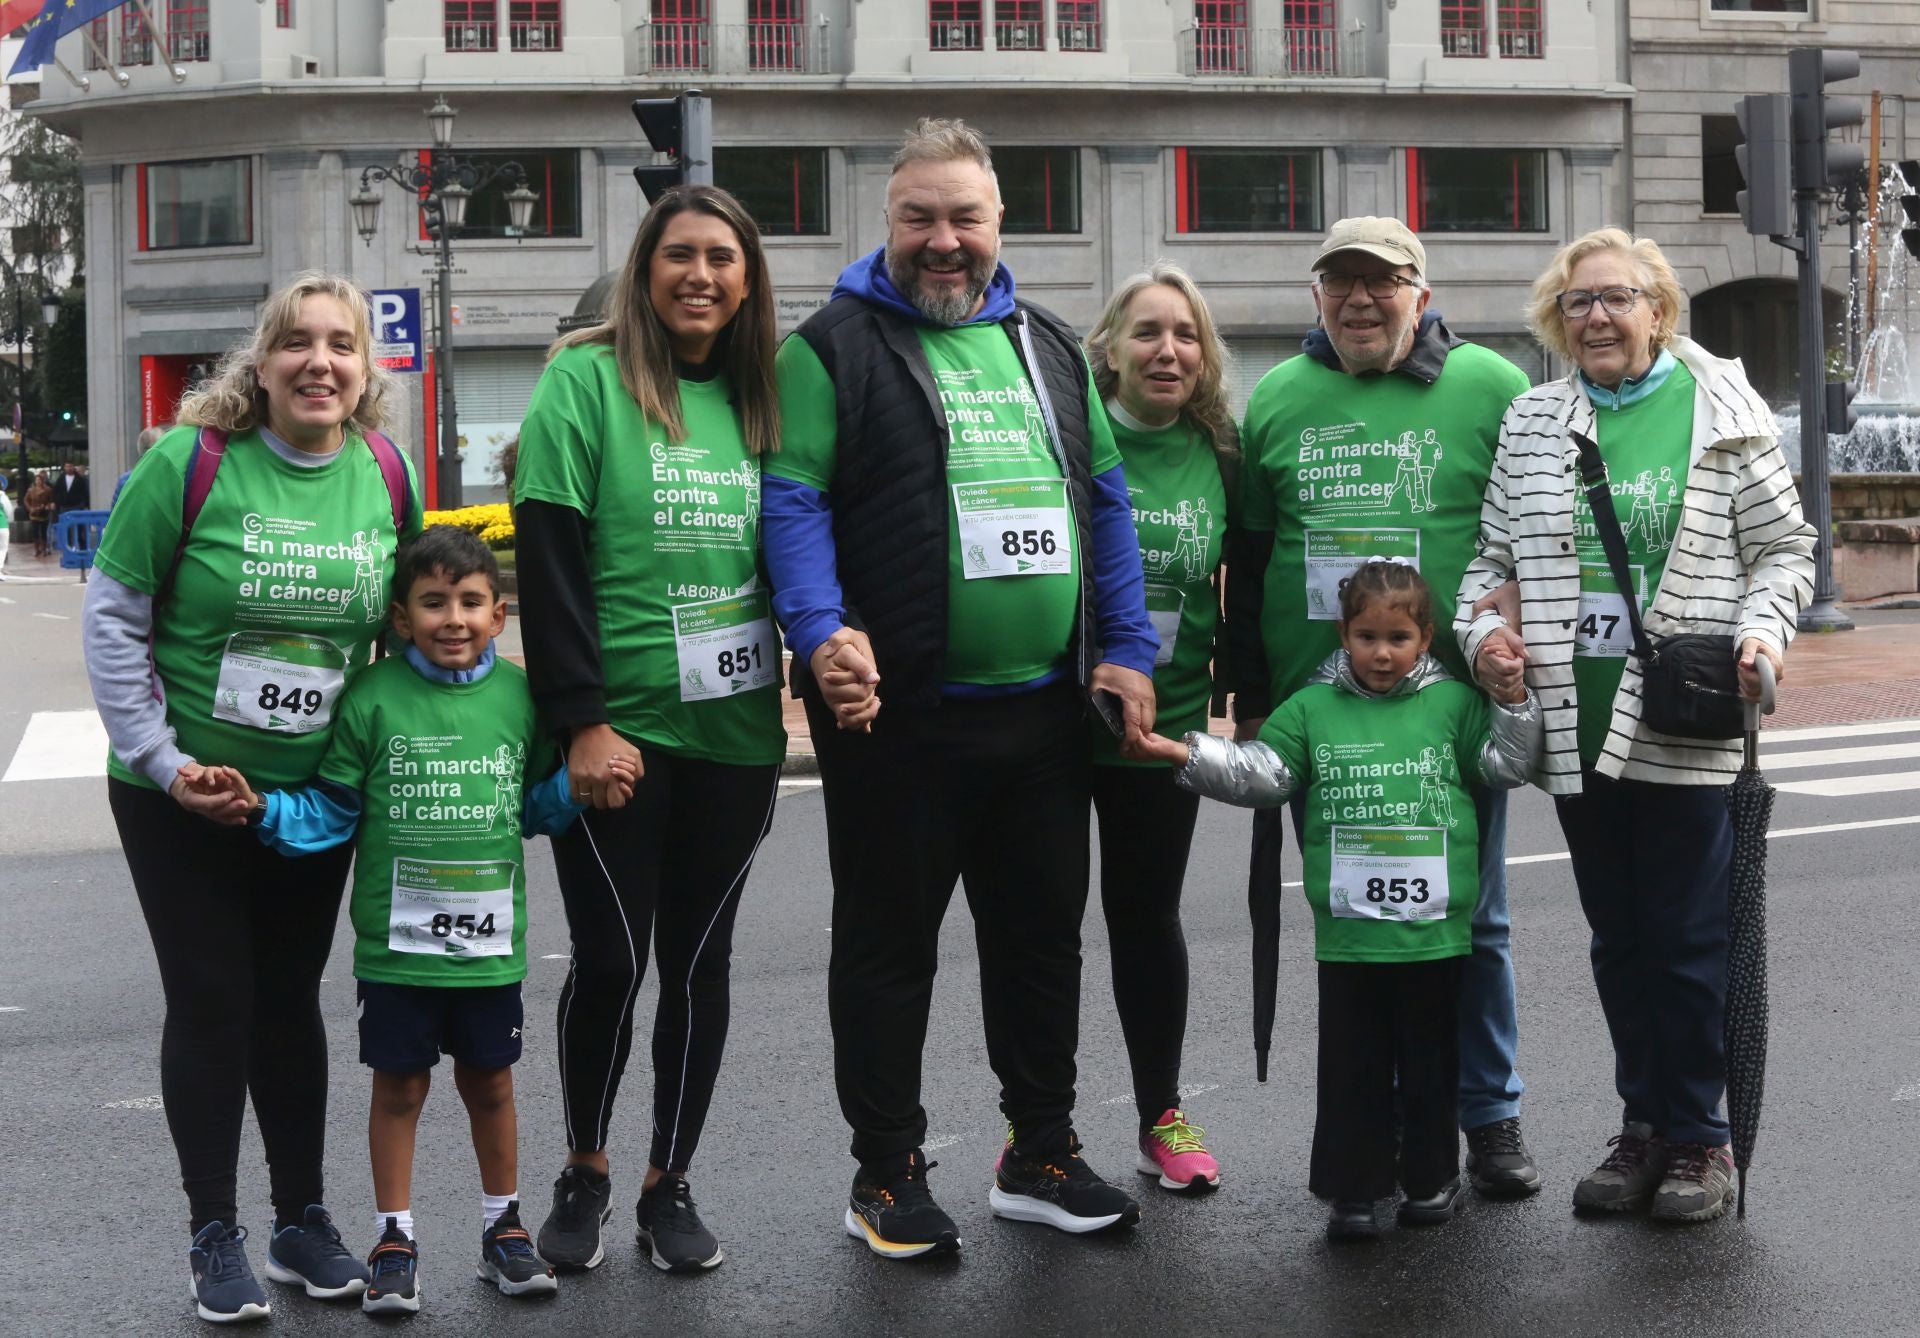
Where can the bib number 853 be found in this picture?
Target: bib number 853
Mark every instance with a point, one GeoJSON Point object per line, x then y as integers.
{"type": "Point", "coordinates": [292, 700]}
{"type": "Point", "coordinates": [1397, 890]}
{"type": "Point", "coordinates": [445, 926]}
{"type": "Point", "coordinates": [1031, 542]}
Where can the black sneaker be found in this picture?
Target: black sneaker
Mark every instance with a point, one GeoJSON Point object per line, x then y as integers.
{"type": "Point", "coordinates": [892, 1210]}
{"type": "Point", "coordinates": [220, 1278]}
{"type": "Point", "coordinates": [1352, 1219]}
{"type": "Point", "coordinates": [508, 1259]}
{"type": "Point", "coordinates": [1059, 1189]}
{"type": "Point", "coordinates": [582, 1202]}
{"type": "Point", "coordinates": [311, 1256]}
{"type": "Point", "coordinates": [671, 1230]}
{"type": "Point", "coordinates": [1435, 1209]}
{"type": "Point", "coordinates": [1498, 1162]}
{"type": "Point", "coordinates": [394, 1287]}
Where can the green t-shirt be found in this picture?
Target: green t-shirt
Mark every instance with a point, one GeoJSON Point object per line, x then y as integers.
{"type": "Point", "coordinates": [1646, 446]}
{"type": "Point", "coordinates": [1391, 851]}
{"type": "Point", "coordinates": [687, 644]}
{"type": "Point", "coordinates": [442, 769]}
{"type": "Point", "coordinates": [276, 603]}
{"type": "Point", "coordinates": [1346, 468]}
{"type": "Point", "coordinates": [1180, 513]}
{"type": "Point", "coordinates": [1013, 547]}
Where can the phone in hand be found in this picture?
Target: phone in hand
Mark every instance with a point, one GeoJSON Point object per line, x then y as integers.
{"type": "Point", "coordinates": [1111, 710]}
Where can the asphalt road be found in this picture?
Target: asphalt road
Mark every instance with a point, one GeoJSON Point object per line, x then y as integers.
{"type": "Point", "coordinates": [99, 1223]}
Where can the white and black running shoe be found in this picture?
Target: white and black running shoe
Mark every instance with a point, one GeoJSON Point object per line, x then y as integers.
{"type": "Point", "coordinates": [670, 1228]}
{"type": "Point", "coordinates": [582, 1203]}
{"type": "Point", "coordinates": [1059, 1189]}
{"type": "Point", "coordinates": [394, 1285]}
{"type": "Point", "coordinates": [509, 1261]}
{"type": "Point", "coordinates": [892, 1210]}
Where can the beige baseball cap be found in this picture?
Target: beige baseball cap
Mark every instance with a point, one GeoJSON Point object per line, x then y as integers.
{"type": "Point", "coordinates": [1388, 238]}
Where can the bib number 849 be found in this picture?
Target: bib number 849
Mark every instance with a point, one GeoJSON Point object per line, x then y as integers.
{"type": "Point", "coordinates": [1031, 542]}
{"type": "Point", "coordinates": [1397, 890]}
{"type": "Point", "coordinates": [444, 925]}
{"type": "Point", "coordinates": [290, 699]}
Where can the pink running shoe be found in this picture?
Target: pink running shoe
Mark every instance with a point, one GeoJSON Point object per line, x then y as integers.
{"type": "Point", "coordinates": [1172, 1152]}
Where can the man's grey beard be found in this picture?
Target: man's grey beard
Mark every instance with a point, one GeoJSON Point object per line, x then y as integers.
{"type": "Point", "coordinates": [951, 310]}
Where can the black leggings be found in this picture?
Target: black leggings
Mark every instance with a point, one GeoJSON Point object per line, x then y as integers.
{"type": "Point", "coordinates": [241, 935]}
{"type": "Point", "coordinates": [1146, 831]}
{"type": "Point", "coordinates": [670, 865]}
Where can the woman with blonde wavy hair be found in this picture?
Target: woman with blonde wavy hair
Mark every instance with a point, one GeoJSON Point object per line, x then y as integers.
{"type": "Point", "coordinates": [230, 607]}
{"type": "Point", "coordinates": [1160, 368]}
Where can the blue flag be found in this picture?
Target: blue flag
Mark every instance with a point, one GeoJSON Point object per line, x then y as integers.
{"type": "Point", "coordinates": [55, 20]}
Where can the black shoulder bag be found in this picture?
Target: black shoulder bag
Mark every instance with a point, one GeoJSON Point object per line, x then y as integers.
{"type": "Point", "coordinates": [1690, 683]}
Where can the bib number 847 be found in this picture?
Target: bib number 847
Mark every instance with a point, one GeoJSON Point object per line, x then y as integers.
{"type": "Point", "coordinates": [1397, 890]}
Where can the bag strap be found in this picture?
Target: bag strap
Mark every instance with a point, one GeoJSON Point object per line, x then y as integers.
{"type": "Point", "coordinates": [393, 469]}
{"type": "Point", "coordinates": [1606, 524]}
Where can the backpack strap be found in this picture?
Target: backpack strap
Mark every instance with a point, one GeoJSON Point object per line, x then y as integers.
{"type": "Point", "coordinates": [393, 469]}
{"type": "Point", "coordinates": [209, 450]}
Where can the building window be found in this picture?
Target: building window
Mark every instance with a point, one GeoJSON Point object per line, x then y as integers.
{"type": "Point", "coordinates": [204, 203]}
{"type": "Point", "coordinates": [1220, 36]}
{"type": "Point", "coordinates": [1477, 190]}
{"type": "Point", "coordinates": [283, 13]}
{"type": "Point", "coordinates": [1079, 23]}
{"type": "Point", "coordinates": [553, 173]}
{"type": "Point", "coordinates": [1040, 188]}
{"type": "Point", "coordinates": [97, 31]}
{"type": "Point", "coordinates": [187, 32]}
{"type": "Point", "coordinates": [1759, 7]}
{"type": "Point", "coordinates": [682, 39]}
{"type": "Point", "coordinates": [533, 25]}
{"type": "Point", "coordinates": [1519, 31]}
{"type": "Point", "coordinates": [136, 39]}
{"type": "Point", "coordinates": [953, 25]}
{"type": "Point", "coordinates": [1463, 27]}
{"type": "Point", "coordinates": [1019, 25]}
{"type": "Point", "coordinates": [784, 189]}
{"type": "Point", "coordinates": [1246, 190]}
{"type": "Point", "coordinates": [777, 35]}
{"type": "Point", "coordinates": [471, 25]}
{"type": "Point", "coordinates": [1720, 178]}
{"type": "Point", "coordinates": [1311, 36]}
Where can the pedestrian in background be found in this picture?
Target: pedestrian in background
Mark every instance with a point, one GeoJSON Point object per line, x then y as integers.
{"type": "Point", "coordinates": [229, 632]}
{"type": "Point", "coordinates": [650, 639]}
{"type": "Point", "coordinates": [1645, 814]}
{"type": "Point", "coordinates": [1160, 366]}
{"type": "Point", "coordinates": [39, 503]}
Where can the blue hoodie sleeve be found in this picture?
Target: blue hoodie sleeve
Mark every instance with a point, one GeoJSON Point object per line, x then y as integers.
{"type": "Point", "coordinates": [549, 807]}
{"type": "Point", "coordinates": [796, 529]}
{"type": "Point", "coordinates": [313, 818]}
{"type": "Point", "coordinates": [1125, 632]}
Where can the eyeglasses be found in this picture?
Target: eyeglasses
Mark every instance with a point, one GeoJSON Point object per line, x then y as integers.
{"type": "Point", "coordinates": [1577, 303]}
{"type": "Point", "coordinates": [1380, 287]}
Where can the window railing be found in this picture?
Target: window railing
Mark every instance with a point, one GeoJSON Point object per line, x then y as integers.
{"type": "Point", "coordinates": [476, 36]}
{"type": "Point", "coordinates": [1312, 51]}
{"type": "Point", "coordinates": [1463, 41]}
{"type": "Point", "coordinates": [699, 47]}
{"type": "Point", "coordinates": [1271, 53]}
{"type": "Point", "coordinates": [944, 36]}
{"type": "Point", "coordinates": [1522, 44]}
{"type": "Point", "coordinates": [534, 34]}
{"type": "Point", "coordinates": [1218, 49]}
{"type": "Point", "coordinates": [681, 44]}
{"type": "Point", "coordinates": [1020, 36]}
{"type": "Point", "coordinates": [778, 46]}
{"type": "Point", "coordinates": [188, 46]}
{"type": "Point", "coordinates": [1081, 36]}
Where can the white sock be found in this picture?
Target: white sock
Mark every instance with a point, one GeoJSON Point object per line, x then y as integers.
{"type": "Point", "coordinates": [491, 1206]}
{"type": "Point", "coordinates": [402, 1218]}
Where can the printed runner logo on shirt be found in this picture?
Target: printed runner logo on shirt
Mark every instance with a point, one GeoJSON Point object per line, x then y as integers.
{"type": "Point", "coordinates": [281, 570]}
{"type": "Point", "coordinates": [1344, 479]}
{"type": "Point", "coordinates": [1192, 525]}
{"type": "Point", "coordinates": [429, 786]}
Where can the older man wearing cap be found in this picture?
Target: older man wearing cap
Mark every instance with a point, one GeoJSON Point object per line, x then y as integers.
{"type": "Point", "coordinates": [1376, 441]}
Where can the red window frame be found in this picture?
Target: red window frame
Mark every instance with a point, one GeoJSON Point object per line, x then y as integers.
{"type": "Point", "coordinates": [1417, 218]}
{"type": "Point", "coordinates": [283, 13]}
{"type": "Point", "coordinates": [777, 34]}
{"type": "Point", "coordinates": [534, 25]}
{"type": "Point", "coordinates": [1521, 29]}
{"type": "Point", "coordinates": [1311, 32]}
{"type": "Point", "coordinates": [102, 38]}
{"type": "Point", "coordinates": [1186, 188]}
{"type": "Point", "coordinates": [1080, 25]}
{"type": "Point", "coordinates": [1463, 27]}
{"type": "Point", "coordinates": [1019, 25]}
{"type": "Point", "coordinates": [681, 36]}
{"type": "Point", "coordinates": [1220, 36]}
{"type": "Point", "coordinates": [143, 238]}
{"type": "Point", "coordinates": [954, 25]}
{"type": "Point", "coordinates": [189, 31]}
{"type": "Point", "coordinates": [481, 16]}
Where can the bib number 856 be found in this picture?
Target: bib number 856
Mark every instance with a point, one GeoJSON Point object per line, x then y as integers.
{"type": "Point", "coordinates": [1031, 542]}
{"type": "Point", "coordinates": [445, 926]}
{"type": "Point", "coordinates": [290, 699]}
{"type": "Point", "coordinates": [1397, 890]}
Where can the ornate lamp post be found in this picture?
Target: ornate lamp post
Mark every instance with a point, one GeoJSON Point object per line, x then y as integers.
{"type": "Point", "coordinates": [443, 188]}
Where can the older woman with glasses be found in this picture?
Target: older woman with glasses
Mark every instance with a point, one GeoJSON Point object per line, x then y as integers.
{"type": "Point", "coordinates": [1689, 447]}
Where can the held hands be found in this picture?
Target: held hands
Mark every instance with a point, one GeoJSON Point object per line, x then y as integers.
{"type": "Point", "coordinates": [1749, 675]}
{"type": "Point", "coordinates": [843, 667]}
{"type": "Point", "coordinates": [219, 794]}
{"type": "Point", "coordinates": [1501, 664]}
{"type": "Point", "coordinates": [1159, 748]}
{"type": "Point", "coordinates": [602, 767]}
{"type": "Point", "coordinates": [1135, 691]}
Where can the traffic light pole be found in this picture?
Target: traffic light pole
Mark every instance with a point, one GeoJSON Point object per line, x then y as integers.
{"type": "Point", "coordinates": [1816, 499]}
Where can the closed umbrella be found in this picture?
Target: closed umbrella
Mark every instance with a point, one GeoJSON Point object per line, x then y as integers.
{"type": "Point", "coordinates": [1263, 908]}
{"type": "Point", "coordinates": [1751, 800]}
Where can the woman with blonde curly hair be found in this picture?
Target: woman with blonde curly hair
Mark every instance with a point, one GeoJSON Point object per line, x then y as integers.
{"type": "Point", "coordinates": [1160, 368]}
{"type": "Point", "coordinates": [237, 592]}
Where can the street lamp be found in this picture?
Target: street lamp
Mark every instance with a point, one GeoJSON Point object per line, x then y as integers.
{"type": "Point", "coordinates": [50, 310]}
{"type": "Point", "coordinates": [443, 188]}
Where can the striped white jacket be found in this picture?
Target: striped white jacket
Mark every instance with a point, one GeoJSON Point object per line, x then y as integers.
{"type": "Point", "coordinates": [1741, 563]}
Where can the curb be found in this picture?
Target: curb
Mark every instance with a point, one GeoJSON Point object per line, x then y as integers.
{"type": "Point", "coordinates": [800, 762]}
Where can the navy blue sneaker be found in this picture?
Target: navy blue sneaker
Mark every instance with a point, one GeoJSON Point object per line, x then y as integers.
{"type": "Point", "coordinates": [394, 1266]}
{"type": "Point", "coordinates": [222, 1281]}
{"type": "Point", "coordinates": [509, 1261]}
{"type": "Point", "coordinates": [310, 1255]}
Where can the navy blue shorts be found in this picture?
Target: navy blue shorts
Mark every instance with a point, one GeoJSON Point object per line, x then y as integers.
{"type": "Point", "coordinates": [406, 1028]}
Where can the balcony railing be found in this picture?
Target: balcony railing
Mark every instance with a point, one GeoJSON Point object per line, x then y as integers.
{"type": "Point", "coordinates": [1522, 44]}
{"type": "Point", "coordinates": [679, 44]}
{"type": "Point", "coordinates": [534, 34]}
{"type": "Point", "coordinates": [189, 46]}
{"type": "Point", "coordinates": [1020, 36]}
{"type": "Point", "coordinates": [735, 48]}
{"type": "Point", "coordinates": [472, 37]}
{"type": "Point", "coordinates": [778, 46]}
{"type": "Point", "coordinates": [1463, 41]}
{"type": "Point", "coordinates": [1271, 53]}
{"type": "Point", "coordinates": [954, 36]}
{"type": "Point", "coordinates": [1081, 36]}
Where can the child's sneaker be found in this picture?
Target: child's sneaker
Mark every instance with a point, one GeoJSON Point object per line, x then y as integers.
{"type": "Point", "coordinates": [582, 1203]}
{"type": "Point", "coordinates": [509, 1261]}
{"type": "Point", "coordinates": [221, 1279]}
{"type": "Point", "coordinates": [670, 1229]}
{"type": "Point", "coordinates": [393, 1286]}
{"type": "Point", "coordinates": [310, 1255]}
{"type": "Point", "coordinates": [1172, 1151]}
{"type": "Point", "coordinates": [1435, 1209]}
{"type": "Point", "coordinates": [1060, 1190]}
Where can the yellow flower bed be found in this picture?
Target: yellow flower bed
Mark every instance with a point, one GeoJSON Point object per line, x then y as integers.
{"type": "Point", "coordinates": [492, 523]}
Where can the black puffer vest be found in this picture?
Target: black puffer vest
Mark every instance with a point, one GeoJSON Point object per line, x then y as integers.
{"type": "Point", "coordinates": [889, 487]}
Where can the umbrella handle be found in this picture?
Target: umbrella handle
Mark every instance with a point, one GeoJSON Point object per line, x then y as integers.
{"type": "Point", "coordinates": [1753, 710]}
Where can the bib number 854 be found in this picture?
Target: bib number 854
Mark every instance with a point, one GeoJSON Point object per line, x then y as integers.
{"type": "Point", "coordinates": [292, 700]}
{"type": "Point", "coordinates": [445, 926]}
{"type": "Point", "coordinates": [1031, 542]}
{"type": "Point", "coordinates": [1397, 890]}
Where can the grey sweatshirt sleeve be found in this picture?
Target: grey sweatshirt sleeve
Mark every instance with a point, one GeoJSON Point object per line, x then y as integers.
{"type": "Point", "coordinates": [1250, 775]}
{"type": "Point", "coordinates": [1512, 750]}
{"type": "Point", "coordinates": [115, 623]}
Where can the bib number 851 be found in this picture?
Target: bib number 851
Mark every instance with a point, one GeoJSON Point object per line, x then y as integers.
{"type": "Point", "coordinates": [738, 663]}
{"type": "Point", "coordinates": [290, 699]}
{"type": "Point", "coordinates": [444, 925]}
{"type": "Point", "coordinates": [1397, 890]}
{"type": "Point", "coordinates": [1031, 542]}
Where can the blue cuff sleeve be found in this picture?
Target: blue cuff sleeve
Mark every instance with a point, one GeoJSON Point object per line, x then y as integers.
{"type": "Point", "coordinates": [306, 821]}
{"type": "Point", "coordinates": [796, 529]}
{"type": "Point", "coordinates": [549, 808]}
{"type": "Point", "coordinates": [1125, 633]}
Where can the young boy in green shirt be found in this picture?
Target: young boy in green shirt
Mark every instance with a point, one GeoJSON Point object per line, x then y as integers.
{"type": "Point", "coordinates": [428, 765]}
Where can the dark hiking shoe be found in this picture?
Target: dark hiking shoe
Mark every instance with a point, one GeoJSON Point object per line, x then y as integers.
{"type": "Point", "coordinates": [1698, 1186]}
{"type": "Point", "coordinates": [1626, 1180]}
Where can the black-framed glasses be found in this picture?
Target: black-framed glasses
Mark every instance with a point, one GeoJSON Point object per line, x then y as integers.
{"type": "Point", "coordinates": [1577, 303]}
{"type": "Point", "coordinates": [1380, 287]}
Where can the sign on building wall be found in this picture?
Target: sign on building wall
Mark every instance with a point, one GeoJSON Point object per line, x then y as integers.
{"type": "Point", "coordinates": [396, 329]}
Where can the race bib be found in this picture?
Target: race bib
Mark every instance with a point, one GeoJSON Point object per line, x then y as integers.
{"type": "Point", "coordinates": [1014, 527]}
{"type": "Point", "coordinates": [452, 909]}
{"type": "Point", "coordinates": [283, 682]}
{"type": "Point", "coordinates": [1164, 603]}
{"type": "Point", "coordinates": [725, 646]}
{"type": "Point", "coordinates": [1389, 873]}
{"type": "Point", "coordinates": [1333, 555]}
{"type": "Point", "coordinates": [1604, 631]}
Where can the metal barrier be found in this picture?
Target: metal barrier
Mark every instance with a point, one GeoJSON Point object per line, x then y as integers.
{"type": "Point", "coordinates": [78, 534]}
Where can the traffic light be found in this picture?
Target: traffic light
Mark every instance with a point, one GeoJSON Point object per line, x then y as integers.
{"type": "Point", "coordinates": [681, 127]}
{"type": "Point", "coordinates": [1765, 155]}
{"type": "Point", "coordinates": [1910, 202]}
{"type": "Point", "coordinates": [1818, 163]}
{"type": "Point", "coordinates": [1841, 415]}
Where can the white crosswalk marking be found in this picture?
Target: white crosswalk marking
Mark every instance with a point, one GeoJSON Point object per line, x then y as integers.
{"type": "Point", "coordinates": [1834, 757]}
{"type": "Point", "coordinates": [60, 745]}
{"type": "Point", "coordinates": [1904, 746]}
{"type": "Point", "coordinates": [1834, 787]}
{"type": "Point", "coordinates": [1872, 729]}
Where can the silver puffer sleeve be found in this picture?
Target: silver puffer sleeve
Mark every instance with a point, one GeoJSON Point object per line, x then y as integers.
{"type": "Point", "coordinates": [1250, 775]}
{"type": "Point", "coordinates": [1513, 747]}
